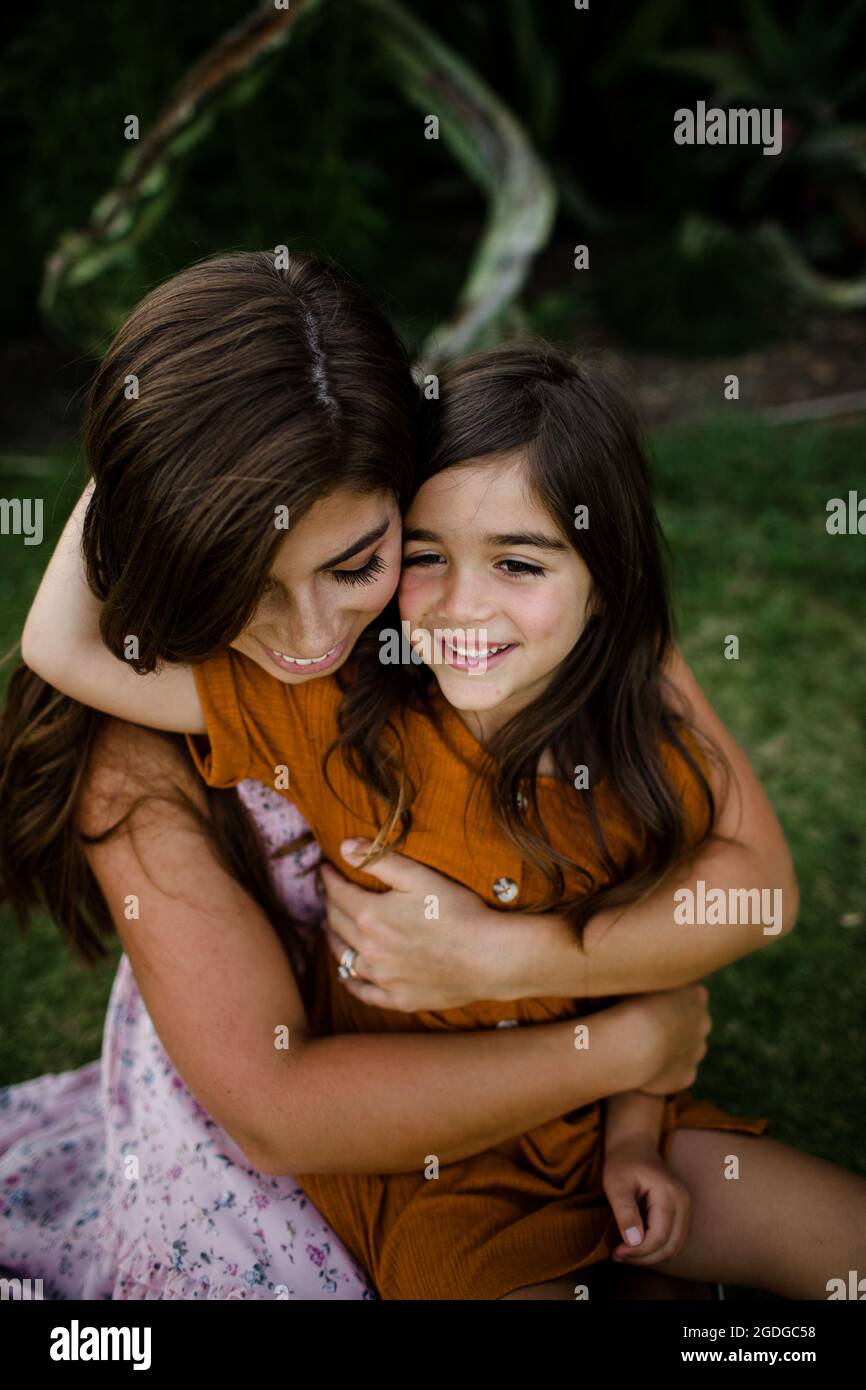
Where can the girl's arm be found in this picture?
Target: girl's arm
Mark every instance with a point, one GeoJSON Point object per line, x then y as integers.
{"type": "Point", "coordinates": [650, 1205]}
{"type": "Point", "coordinates": [632, 1115]}
{"type": "Point", "coordinates": [61, 642]}
{"type": "Point", "coordinates": [220, 991]}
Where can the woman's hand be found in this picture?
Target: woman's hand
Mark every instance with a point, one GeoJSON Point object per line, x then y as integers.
{"type": "Point", "coordinates": [634, 1173]}
{"type": "Point", "coordinates": [428, 944]}
{"type": "Point", "coordinates": [679, 1023]}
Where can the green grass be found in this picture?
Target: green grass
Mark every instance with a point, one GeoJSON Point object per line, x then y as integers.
{"type": "Point", "coordinates": [52, 1006]}
{"type": "Point", "coordinates": [744, 508]}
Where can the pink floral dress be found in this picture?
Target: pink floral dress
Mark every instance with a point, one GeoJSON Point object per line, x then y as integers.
{"type": "Point", "coordinates": [197, 1222]}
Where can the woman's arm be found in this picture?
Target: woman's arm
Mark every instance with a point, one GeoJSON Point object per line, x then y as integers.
{"type": "Point", "coordinates": [473, 951]}
{"type": "Point", "coordinates": [61, 642]}
{"type": "Point", "coordinates": [219, 988]}
{"type": "Point", "coordinates": [642, 946]}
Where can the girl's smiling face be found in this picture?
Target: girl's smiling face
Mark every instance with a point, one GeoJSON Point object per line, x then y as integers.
{"type": "Point", "coordinates": [484, 561]}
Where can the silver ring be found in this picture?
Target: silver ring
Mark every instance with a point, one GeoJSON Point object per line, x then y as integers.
{"type": "Point", "coordinates": [347, 964]}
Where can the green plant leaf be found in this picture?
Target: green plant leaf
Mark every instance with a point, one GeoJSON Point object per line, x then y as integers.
{"type": "Point", "coordinates": [775, 51]}
{"type": "Point", "coordinates": [643, 34]}
{"type": "Point", "coordinates": [725, 72]}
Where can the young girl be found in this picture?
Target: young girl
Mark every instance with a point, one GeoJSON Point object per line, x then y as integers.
{"type": "Point", "coordinates": [234, 394]}
{"type": "Point", "coordinates": [572, 676]}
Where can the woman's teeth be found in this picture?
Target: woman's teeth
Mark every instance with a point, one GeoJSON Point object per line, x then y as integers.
{"type": "Point", "coordinates": [305, 660]}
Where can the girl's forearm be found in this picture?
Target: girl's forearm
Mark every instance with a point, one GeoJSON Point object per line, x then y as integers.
{"type": "Point", "coordinates": [642, 947]}
{"type": "Point", "coordinates": [382, 1103]}
{"type": "Point", "coordinates": [632, 1115]}
{"type": "Point", "coordinates": [64, 615]}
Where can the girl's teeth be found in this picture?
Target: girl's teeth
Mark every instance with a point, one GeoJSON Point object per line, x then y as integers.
{"type": "Point", "coordinates": [491, 651]}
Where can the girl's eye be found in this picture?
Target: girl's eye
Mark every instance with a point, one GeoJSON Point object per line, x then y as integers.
{"type": "Point", "coordinates": [422, 557]}
{"type": "Point", "coordinates": [365, 575]}
{"type": "Point", "coordinates": [522, 567]}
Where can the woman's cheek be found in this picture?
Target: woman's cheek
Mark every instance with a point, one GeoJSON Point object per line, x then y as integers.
{"type": "Point", "coordinates": [372, 598]}
{"type": "Point", "coordinates": [383, 590]}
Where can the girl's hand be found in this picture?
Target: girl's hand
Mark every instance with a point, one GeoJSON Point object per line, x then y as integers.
{"type": "Point", "coordinates": [635, 1172]}
{"type": "Point", "coordinates": [428, 944]}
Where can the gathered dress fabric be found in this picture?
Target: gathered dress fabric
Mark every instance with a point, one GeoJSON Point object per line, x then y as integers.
{"type": "Point", "coordinates": [518, 1214]}
{"type": "Point", "coordinates": [191, 1219]}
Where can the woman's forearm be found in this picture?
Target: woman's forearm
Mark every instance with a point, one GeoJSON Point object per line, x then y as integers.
{"type": "Point", "coordinates": [383, 1103]}
{"type": "Point", "coordinates": [643, 947]}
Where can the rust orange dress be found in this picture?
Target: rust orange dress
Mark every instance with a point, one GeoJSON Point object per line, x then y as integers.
{"type": "Point", "coordinates": [518, 1214]}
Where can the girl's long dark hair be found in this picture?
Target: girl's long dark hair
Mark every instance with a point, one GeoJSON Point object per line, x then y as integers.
{"type": "Point", "coordinates": [234, 388]}
{"type": "Point", "coordinates": [609, 707]}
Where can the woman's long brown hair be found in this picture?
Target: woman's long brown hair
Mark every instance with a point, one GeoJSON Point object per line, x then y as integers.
{"type": "Point", "coordinates": [609, 706]}
{"type": "Point", "coordinates": [234, 388]}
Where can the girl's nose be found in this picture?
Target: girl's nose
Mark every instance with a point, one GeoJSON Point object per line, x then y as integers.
{"type": "Point", "coordinates": [465, 600]}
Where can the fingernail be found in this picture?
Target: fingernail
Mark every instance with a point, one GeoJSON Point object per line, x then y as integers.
{"type": "Point", "coordinates": [632, 1236]}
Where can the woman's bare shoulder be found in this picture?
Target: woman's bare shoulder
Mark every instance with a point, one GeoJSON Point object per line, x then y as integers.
{"type": "Point", "coordinates": [127, 763]}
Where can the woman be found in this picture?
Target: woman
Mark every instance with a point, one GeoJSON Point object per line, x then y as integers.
{"type": "Point", "coordinates": [251, 386]}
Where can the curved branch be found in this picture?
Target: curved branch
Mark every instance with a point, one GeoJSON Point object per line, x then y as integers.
{"type": "Point", "coordinates": [131, 208]}
{"type": "Point", "coordinates": [482, 133]}
{"type": "Point", "coordinates": [493, 148]}
{"type": "Point", "coordinates": [821, 289]}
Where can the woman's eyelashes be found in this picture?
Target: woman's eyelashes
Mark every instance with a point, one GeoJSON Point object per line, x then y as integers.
{"type": "Point", "coordinates": [523, 568]}
{"type": "Point", "coordinates": [365, 575]}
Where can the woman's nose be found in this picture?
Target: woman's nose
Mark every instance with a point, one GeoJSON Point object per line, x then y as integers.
{"type": "Point", "coordinates": [310, 627]}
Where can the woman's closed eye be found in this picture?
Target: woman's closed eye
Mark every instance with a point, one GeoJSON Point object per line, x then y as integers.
{"type": "Point", "coordinates": [364, 575]}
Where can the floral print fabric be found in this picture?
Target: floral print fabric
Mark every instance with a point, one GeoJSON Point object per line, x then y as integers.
{"type": "Point", "coordinates": [115, 1183]}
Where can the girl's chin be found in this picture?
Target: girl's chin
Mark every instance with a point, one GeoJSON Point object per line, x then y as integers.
{"type": "Point", "coordinates": [469, 692]}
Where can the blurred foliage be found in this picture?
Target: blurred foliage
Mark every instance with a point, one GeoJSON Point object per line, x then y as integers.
{"type": "Point", "coordinates": [317, 147]}
{"type": "Point", "coordinates": [676, 273]}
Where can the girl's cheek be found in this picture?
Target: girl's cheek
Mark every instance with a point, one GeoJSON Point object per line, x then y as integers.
{"type": "Point", "coordinates": [548, 617]}
{"type": "Point", "coordinates": [411, 595]}
{"type": "Point", "coordinates": [534, 616]}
